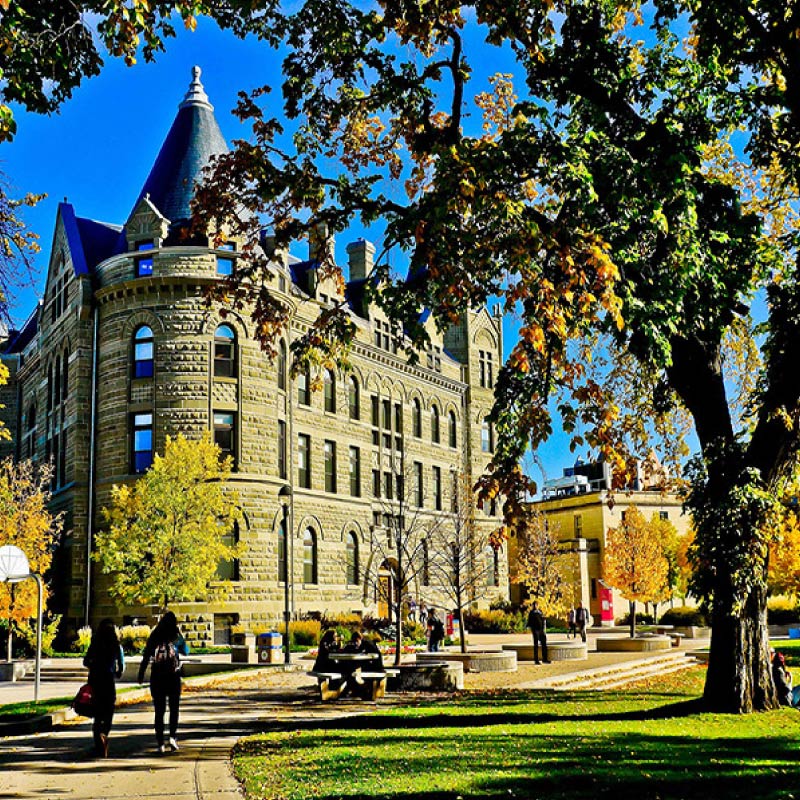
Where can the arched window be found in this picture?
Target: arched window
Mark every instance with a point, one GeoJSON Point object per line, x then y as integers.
{"type": "Point", "coordinates": [143, 352]}
{"type": "Point", "coordinates": [352, 559]}
{"type": "Point", "coordinates": [487, 437]}
{"type": "Point", "coordinates": [435, 426]}
{"type": "Point", "coordinates": [309, 556]}
{"type": "Point", "coordinates": [329, 391]}
{"type": "Point", "coordinates": [228, 569]}
{"type": "Point", "coordinates": [452, 432]}
{"type": "Point", "coordinates": [492, 566]}
{"type": "Point", "coordinates": [281, 364]}
{"type": "Point", "coordinates": [282, 553]}
{"type": "Point", "coordinates": [354, 399]}
{"type": "Point", "coordinates": [416, 418]}
{"type": "Point", "coordinates": [65, 376]}
{"type": "Point", "coordinates": [224, 352]}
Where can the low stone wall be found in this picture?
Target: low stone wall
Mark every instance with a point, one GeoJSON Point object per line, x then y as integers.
{"type": "Point", "coordinates": [438, 676]}
{"type": "Point", "coordinates": [693, 631]}
{"type": "Point", "coordinates": [641, 644]}
{"type": "Point", "coordinates": [556, 651]}
{"type": "Point", "coordinates": [475, 661]}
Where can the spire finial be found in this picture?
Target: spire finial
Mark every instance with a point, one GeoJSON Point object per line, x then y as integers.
{"type": "Point", "coordinates": [196, 96]}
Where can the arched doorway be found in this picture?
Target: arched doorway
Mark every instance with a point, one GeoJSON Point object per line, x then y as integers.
{"type": "Point", "coordinates": [387, 588]}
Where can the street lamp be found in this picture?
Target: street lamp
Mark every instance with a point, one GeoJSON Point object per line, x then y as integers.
{"type": "Point", "coordinates": [285, 495]}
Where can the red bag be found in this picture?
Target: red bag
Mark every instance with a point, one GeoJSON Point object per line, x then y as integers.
{"type": "Point", "coordinates": [84, 701]}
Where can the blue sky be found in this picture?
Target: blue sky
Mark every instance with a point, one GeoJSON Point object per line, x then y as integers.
{"type": "Point", "coordinates": [98, 151]}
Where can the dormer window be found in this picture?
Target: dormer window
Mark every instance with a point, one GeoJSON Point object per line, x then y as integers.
{"type": "Point", "coordinates": [144, 264]}
{"type": "Point", "coordinates": [225, 263]}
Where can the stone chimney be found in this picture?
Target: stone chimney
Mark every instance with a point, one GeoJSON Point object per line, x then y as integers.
{"type": "Point", "coordinates": [320, 243]}
{"type": "Point", "coordinates": [361, 257]}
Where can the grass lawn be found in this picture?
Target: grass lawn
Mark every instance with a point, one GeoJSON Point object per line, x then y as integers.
{"type": "Point", "coordinates": [648, 742]}
{"type": "Point", "coordinates": [26, 709]}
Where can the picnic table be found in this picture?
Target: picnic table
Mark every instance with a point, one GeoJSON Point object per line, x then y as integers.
{"type": "Point", "coordinates": [365, 670]}
{"type": "Point", "coordinates": [669, 630]}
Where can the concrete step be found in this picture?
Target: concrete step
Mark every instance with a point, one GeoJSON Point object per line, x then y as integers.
{"type": "Point", "coordinates": [53, 673]}
{"type": "Point", "coordinates": [617, 674]}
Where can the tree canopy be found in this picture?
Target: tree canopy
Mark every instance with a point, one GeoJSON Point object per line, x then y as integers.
{"type": "Point", "coordinates": [167, 532]}
{"type": "Point", "coordinates": [592, 203]}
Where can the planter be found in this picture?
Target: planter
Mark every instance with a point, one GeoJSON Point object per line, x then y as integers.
{"type": "Point", "coordinates": [476, 661]}
{"type": "Point", "coordinates": [438, 676]}
{"type": "Point", "coordinates": [641, 644]}
{"type": "Point", "coordinates": [694, 631]}
{"type": "Point", "coordinates": [556, 651]}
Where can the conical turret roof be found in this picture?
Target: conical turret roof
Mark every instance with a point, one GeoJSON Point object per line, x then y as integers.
{"type": "Point", "coordinates": [193, 138]}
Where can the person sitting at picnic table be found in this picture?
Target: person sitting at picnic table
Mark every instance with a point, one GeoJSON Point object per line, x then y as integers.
{"type": "Point", "coordinates": [328, 643]}
{"type": "Point", "coordinates": [360, 644]}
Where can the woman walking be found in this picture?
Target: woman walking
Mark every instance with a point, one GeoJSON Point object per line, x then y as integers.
{"type": "Point", "coordinates": [105, 661]}
{"type": "Point", "coordinates": [163, 653]}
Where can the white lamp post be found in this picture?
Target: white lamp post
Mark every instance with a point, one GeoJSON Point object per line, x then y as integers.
{"type": "Point", "coordinates": [14, 568]}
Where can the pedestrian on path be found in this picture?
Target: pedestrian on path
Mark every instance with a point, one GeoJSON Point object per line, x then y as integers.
{"type": "Point", "coordinates": [163, 652]}
{"type": "Point", "coordinates": [572, 628]}
{"type": "Point", "coordinates": [435, 631]}
{"type": "Point", "coordinates": [538, 625]}
{"type": "Point", "coordinates": [581, 620]}
{"type": "Point", "coordinates": [105, 661]}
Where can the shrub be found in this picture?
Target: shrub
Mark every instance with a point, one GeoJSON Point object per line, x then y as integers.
{"type": "Point", "coordinates": [413, 631]}
{"type": "Point", "coordinates": [133, 638]}
{"type": "Point", "coordinates": [494, 621]}
{"type": "Point", "coordinates": [684, 616]}
{"type": "Point", "coordinates": [641, 619]}
{"type": "Point", "coordinates": [27, 631]}
{"type": "Point", "coordinates": [305, 632]}
{"type": "Point", "coordinates": [81, 644]}
{"type": "Point", "coordinates": [782, 611]}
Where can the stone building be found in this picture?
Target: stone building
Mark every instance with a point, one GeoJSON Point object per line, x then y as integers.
{"type": "Point", "coordinates": [124, 351]}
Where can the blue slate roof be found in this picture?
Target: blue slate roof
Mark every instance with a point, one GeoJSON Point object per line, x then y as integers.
{"type": "Point", "coordinates": [18, 340]}
{"type": "Point", "coordinates": [191, 142]}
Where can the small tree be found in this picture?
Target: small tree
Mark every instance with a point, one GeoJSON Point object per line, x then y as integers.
{"type": "Point", "coordinates": [26, 523]}
{"type": "Point", "coordinates": [166, 533]}
{"type": "Point", "coordinates": [404, 541]}
{"type": "Point", "coordinates": [635, 563]}
{"type": "Point", "coordinates": [458, 563]}
{"type": "Point", "coordinates": [541, 568]}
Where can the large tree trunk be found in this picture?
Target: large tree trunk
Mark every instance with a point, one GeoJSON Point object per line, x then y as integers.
{"type": "Point", "coordinates": [739, 678]}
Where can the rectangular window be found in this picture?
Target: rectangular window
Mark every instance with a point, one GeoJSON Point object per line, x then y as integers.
{"type": "Point", "coordinates": [228, 569]}
{"type": "Point", "coordinates": [303, 389]}
{"type": "Point", "coordinates": [398, 418]}
{"type": "Point", "coordinates": [304, 460]}
{"type": "Point", "coordinates": [144, 266]}
{"type": "Point", "coordinates": [578, 526]}
{"type": "Point", "coordinates": [387, 415]}
{"type": "Point", "coordinates": [387, 486]}
{"type": "Point", "coordinates": [224, 433]}
{"type": "Point", "coordinates": [355, 472]}
{"type": "Point", "coordinates": [418, 485]}
{"type": "Point", "coordinates": [375, 411]}
{"type": "Point", "coordinates": [225, 263]}
{"type": "Point", "coordinates": [387, 441]}
{"type": "Point", "coordinates": [437, 488]}
{"type": "Point", "coordinates": [224, 363]}
{"type": "Point", "coordinates": [282, 470]}
{"type": "Point", "coordinates": [663, 515]}
{"type": "Point", "coordinates": [329, 448]}
{"type": "Point", "coordinates": [142, 435]}
{"type": "Point", "coordinates": [376, 438]}
{"type": "Point", "coordinates": [376, 483]}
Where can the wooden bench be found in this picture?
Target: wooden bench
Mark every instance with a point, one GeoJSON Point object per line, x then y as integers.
{"type": "Point", "coordinates": [327, 691]}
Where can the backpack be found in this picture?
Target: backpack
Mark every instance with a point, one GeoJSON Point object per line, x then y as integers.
{"type": "Point", "coordinates": [437, 629]}
{"type": "Point", "coordinates": [165, 659]}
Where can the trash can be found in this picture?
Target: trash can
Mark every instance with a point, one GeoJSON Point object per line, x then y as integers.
{"type": "Point", "coordinates": [268, 647]}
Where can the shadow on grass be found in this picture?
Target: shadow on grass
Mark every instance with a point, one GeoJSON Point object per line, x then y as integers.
{"type": "Point", "coordinates": [531, 763]}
